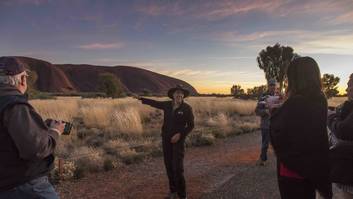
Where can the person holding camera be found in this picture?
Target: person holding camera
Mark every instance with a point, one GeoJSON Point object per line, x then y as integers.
{"type": "Point", "coordinates": [299, 134]}
{"type": "Point", "coordinates": [340, 124]}
{"type": "Point", "coordinates": [26, 142]}
{"type": "Point", "coordinates": [178, 123]}
{"type": "Point", "coordinates": [263, 110]}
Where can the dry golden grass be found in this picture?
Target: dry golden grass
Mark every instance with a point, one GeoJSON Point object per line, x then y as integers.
{"type": "Point", "coordinates": [127, 115]}
{"type": "Point", "coordinates": [115, 131]}
{"type": "Point", "coordinates": [57, 109]}
{"type": "Point", "coordinates": [227, 105]}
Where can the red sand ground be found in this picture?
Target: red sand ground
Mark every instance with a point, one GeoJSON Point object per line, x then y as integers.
{"type": "Point", "coordinates": [206, 168]}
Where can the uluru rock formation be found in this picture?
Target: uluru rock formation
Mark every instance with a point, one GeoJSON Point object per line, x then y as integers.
{"type": "Point", "coordinates": [70, 78]}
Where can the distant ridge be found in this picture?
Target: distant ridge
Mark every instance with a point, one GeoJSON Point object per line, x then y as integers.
{"type": "Point", "coordinates": [71, 78]}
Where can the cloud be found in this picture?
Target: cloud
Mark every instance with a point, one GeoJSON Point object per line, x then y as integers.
{"type": "Point", "coordinates": [246, 37]}
{"type": "Point", "coordinates": [340, 43]}
{"type": "Point", "coordinates": [102, 46]}
{"type": "Point", "coordinates": [166, 8]}
{"type": "Point", "coordinates": [23, 2]}
{"type": "Point", "coordinates": [220, 9]}
{"type": "Point", "coordinates": [210, 10]}
{"type": "Point", "coordinates": [345, 18]}
{"type": "Point", "coordinates": [189, 72]}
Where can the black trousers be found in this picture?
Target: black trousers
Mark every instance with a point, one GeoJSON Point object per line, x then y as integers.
{"type": "Point", "coordinates": [174, 164]}
{"type": "Point", "coordinates": [291, 188]}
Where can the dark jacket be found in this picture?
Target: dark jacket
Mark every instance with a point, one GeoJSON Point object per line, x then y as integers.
{"type": "Point", "coordinates": [341, 154]}
{"type": "Point", "coordinates": [26, 143]}
{"type": "Point", "coordinates": [300, 141]}
{"type": "Point", "coordinates": [179, 121]}
{"type": "Point", "coordinates": [341, 123]}
{"type": "Point", "coordinates": [262, 111]}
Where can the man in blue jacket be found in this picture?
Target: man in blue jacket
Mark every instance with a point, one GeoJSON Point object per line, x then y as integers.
{"type": "Point", "coordinates": [263, 111]}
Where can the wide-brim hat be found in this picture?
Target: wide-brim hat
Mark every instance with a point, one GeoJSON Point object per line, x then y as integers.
{"type": "Point", "coordinates": [180, 88]}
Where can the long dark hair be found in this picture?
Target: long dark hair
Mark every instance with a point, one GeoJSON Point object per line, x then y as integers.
{"type": "Point", "coordinates": [304, 77]}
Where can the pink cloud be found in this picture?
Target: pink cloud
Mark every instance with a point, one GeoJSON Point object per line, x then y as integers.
{"type": "Point", "coordinates": [24, 2]}
{"type": "Point", "coordinates": [343, 18]}
{"type": "Point", "coordinates": [238, 37]}
{"type": "Point", "coordinates": [213, 10]}
{"type": "Point", "coordinates": [220, 9]}
{"type": "Point", "coordinates": [208, 9]}
{"type": "Point", "coordinates": [102, 46]}
{"type": "Point", "coordinates": [157, 9]}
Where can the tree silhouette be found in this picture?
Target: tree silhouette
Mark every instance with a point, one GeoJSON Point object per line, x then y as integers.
{"type": "Point", "coordinates": [237, 91]}
{"type": "Point", "coordinates": [329, 83]}
{"type": "Point", "coordinates": [274, 61]}
{"type": "Point", "coordinates": [257, 91]}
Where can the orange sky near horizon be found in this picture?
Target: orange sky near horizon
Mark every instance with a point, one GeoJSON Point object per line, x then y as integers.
{"type": "Point", "coordinates": [226, 90]}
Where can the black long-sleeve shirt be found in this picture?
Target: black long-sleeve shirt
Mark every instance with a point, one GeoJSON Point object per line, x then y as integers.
{"type": "Point", "coordinates": [181, 120]}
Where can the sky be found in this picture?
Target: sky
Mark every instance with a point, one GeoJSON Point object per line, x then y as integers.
{"type": "Point", "coordinates": [210, 44]}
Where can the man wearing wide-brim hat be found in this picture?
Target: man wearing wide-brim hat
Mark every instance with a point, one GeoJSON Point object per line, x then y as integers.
{"type": "Point", "coordinates": [178, 123]}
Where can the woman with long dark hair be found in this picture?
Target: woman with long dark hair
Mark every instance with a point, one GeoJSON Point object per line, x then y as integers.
{"type": "Point", "coordinates": [299, 134]}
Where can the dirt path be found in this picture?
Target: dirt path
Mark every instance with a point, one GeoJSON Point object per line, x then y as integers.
{"type": "Point", "coordinates": [225, 170]}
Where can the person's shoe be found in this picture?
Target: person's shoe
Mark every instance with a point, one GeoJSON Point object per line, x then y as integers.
{"type": "Point", "coordinates": [172, 196]}
{"type": "Point", "coordinates": [260, 162]}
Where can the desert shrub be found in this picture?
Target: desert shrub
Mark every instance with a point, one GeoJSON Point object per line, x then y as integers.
{"type": "Point", "coordinates": [95, 141]}
{"type": "Point", "coordinates": [80, 172]}
{"type": "Point", "coordinates": [220, 134]}
{"type": "Point", "coordinates": [88, 158]}
{"type": "Point", "coordinates": [68, 169]}
{"type": "Point", "coordinates": [157, 152]}
{"type": "Point", "coordinates": [201, 139]}
{"type": "Point", "coordinates": [34, 94]}
{"type": "Point", "coordinates": [110, 84]}
{"type": "Point", "coordinates": [130, 156]}
{"type": "Point", "coordinates": [108, 164]}
{"type": "Point", "coordinates": [113, 147]}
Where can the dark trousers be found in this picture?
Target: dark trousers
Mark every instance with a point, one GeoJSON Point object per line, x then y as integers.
{"type": "Point", "coordinates": [265, 134]}
{"type": "Point", "coordinates": [292, 188]}
{"type": "Point", "coordinates": [39, 188]}
{"type": "Point", "coordinates": [174, 163]}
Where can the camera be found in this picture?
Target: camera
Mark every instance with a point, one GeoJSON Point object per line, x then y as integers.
{"type": "Point", "coordinates": [67, 129]}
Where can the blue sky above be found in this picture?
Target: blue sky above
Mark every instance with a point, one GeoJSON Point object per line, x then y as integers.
{"type": "Point", "coordinates": [210, 44]}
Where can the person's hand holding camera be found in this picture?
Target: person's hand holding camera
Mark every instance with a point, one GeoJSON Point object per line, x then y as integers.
{"type": "Point", "coordinates": [57, 126]}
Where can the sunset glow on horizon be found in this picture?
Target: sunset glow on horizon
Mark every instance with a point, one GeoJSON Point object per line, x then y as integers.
{"type": "Point", "coordinates": [210, 44]}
